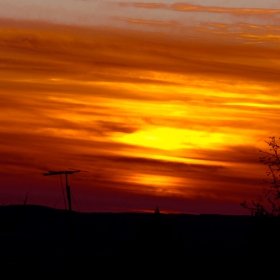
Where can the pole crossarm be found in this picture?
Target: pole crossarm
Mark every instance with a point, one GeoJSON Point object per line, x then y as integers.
{"type": "Point", "coordinates": [66, 172]}
{"type": "Point", "coordinates": [61, 172]}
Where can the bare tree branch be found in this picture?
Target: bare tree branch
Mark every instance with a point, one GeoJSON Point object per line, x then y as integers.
{"type": "Point", "coordinates": [271, 206]}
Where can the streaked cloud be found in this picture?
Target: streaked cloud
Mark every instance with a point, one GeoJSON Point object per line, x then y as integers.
{"type": "Point", "coordinates": [187, 7]}
{"type": "Point", "coordinates": [233, 11]}
{"type": "Point", "coordinates": [144, 5]}
{"type": "Point", "coordinates": [149, 22]}
{"type": "Point", "coordinates": [171, 117]}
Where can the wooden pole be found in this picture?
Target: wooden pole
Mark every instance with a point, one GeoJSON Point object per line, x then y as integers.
{"type": "Point", "coordinates": [68, 193]}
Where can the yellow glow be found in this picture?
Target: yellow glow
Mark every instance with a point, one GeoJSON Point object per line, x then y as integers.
{"type": "Point", "coordinates": [160, 184]}
{"type": "Point", "coordinates": [167, 138]}
{"type": "Point", "coordinates": [156, 180]}
{"type": "Point", "coordinates": [253, 104]}
{"type": "Point", "coordinates": [177, 157]}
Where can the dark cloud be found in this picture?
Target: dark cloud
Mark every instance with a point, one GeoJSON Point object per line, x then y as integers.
{"type": "Point", "coordinates": [108, 127]}
{"type": "Point", "coordinates": [234, 154]}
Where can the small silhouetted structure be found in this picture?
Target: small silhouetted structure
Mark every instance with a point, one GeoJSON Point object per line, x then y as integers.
{"type": "Point", "coordinates": [68, 192]}
{"type": "Point", "coordinates": [67, 172]}
{"type": "Point", "coordinates": [157, 211]}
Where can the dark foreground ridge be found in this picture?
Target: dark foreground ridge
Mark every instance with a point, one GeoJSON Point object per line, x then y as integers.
{"type": "Point", "coordinates": [45, 238]}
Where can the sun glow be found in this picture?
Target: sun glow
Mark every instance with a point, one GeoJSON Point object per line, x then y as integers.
{"type": "Point", "coordinates": [157, 183]}
{"type": "Point", "coordinates": [167, 138]}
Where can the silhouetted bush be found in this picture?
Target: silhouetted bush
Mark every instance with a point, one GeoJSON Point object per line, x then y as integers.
{"type": "Point", "coordinates": [270, 206]}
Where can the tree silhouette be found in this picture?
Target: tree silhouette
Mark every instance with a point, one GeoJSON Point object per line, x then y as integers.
{"type": "Point", "coordinates": [270, 206]}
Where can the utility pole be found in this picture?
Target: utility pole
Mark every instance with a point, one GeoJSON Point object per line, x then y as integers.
{"type": "Point", "coordinates": [68, 192]}
{"type": "Point", "coordinates": [67, 172]}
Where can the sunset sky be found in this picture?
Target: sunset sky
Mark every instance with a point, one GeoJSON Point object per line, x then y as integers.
{"type": "Point", "coordinates": [163, 103]}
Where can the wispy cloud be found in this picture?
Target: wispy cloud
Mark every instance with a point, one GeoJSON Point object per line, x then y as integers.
{"type": "Point", "coordinates": [149, 22]}
{"type": "Point", "coordinates": [147, 115]}
{"type": "Point", "coordinates": [191, 8]}
{"type": "Point", "coordinates": [232, 11]}
{"type": "Point", "coordinates": [144, 5]}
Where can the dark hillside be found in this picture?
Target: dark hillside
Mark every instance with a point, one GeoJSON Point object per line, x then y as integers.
{"type": "Point", "coordinates": [37, 236]}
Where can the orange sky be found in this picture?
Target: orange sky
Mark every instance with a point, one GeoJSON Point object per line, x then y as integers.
{"type": "Point", "coordinates": [160, 112]}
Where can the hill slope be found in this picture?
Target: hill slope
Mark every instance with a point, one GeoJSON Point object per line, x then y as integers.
{"type": "Point", "coordinates": [45, 237]}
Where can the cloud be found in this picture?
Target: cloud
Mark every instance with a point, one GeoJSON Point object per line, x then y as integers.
{"type": "Point", "coordinates": [233, 11]}
{"type": "Point", "coordinates": [143, 5]}
{"type": "Point", "coordinates": [148, 22]}
{"type": "Point", "coordinates": [190, 8]}
{"type": "Point", "coordinates": [102, 55]}
{"type": "Point", "coordinates": [145, 114]}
